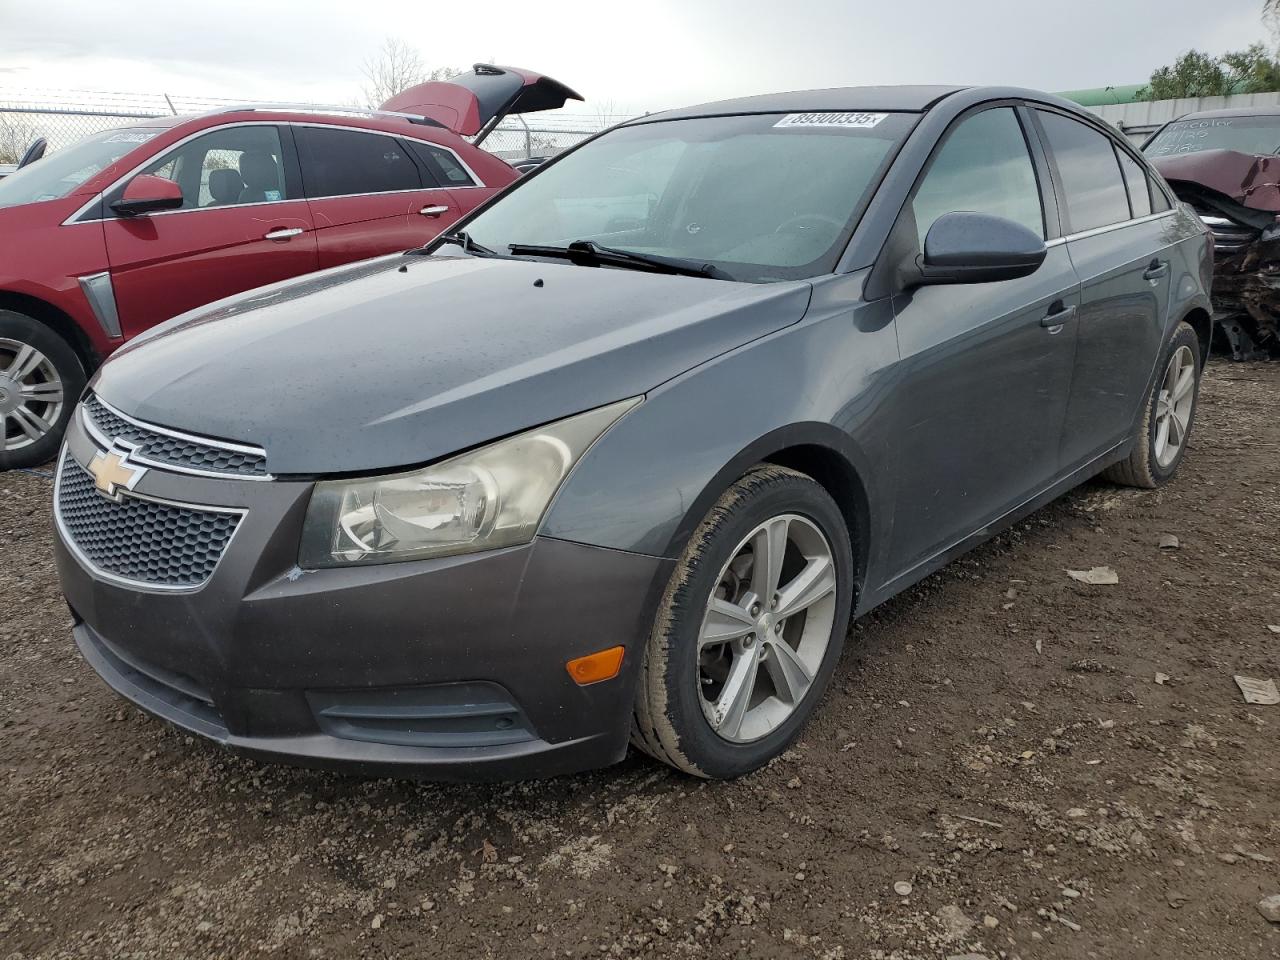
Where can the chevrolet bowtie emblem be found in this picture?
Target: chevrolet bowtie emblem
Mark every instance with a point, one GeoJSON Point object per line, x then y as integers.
{"type": "Point", "coordinates": [111, 471]}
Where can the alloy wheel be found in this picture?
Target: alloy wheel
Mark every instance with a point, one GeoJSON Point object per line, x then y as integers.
{"type": "Point", "coordinates": [766, 628]}
{"type": "Point", "coordinates": [1174, 403]}
{"type": "Point", "coordinates": [31, 395]}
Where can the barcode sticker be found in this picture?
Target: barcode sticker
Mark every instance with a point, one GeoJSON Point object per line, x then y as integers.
{"type": "Point", "coordinates": [848, 120]}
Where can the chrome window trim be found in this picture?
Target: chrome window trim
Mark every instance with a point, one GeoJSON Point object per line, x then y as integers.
{"type": "Point", "coordinates": [141, 585]}
{"type": "Point", "coordinates": [1109, 227]}
{"type": "Point", "coordinates": [105, 441]}
{"type": "Point", "coordinates": [74, 218]}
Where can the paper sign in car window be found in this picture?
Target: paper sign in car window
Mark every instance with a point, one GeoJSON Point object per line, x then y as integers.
{"type": "Point", "coordinates": [846, 121]}
{"type": "Point", "coordinates": [129, 138]}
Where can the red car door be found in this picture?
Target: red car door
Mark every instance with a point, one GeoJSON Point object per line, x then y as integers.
{"type": "Point", "coordinates": [243, 223]}
{"type": "Point", "coordinates": [368, 196]}
{"type": "Point", "coordinates": [448, 169]}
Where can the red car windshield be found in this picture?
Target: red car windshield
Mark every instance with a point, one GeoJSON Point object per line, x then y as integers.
{"type": "Point", "coordinates": [57, 174]}
{"type": "Point", "coordinates": [1257, 135]}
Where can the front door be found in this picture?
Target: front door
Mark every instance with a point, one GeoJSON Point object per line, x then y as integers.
{"type": "Point", "coordinates": [985, 369]}
{"type": "Point", "coordinates": [242, 224]}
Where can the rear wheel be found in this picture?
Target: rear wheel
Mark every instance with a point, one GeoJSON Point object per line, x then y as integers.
{"type": "Point", "coordinates": [40, 379]}
{"type": "Point", "coordinates": [750, 628]}
{"type": "Point", "coordinates": [1160, 440]}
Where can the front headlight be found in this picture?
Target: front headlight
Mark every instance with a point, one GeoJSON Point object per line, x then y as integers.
{"type": "Point", "coordinates": [494, 496]}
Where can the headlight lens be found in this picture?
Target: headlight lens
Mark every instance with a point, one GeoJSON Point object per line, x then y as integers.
{"type": "Point", "coordinates": [494, 496]}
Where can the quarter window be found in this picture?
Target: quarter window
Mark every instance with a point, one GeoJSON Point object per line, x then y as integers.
{"type": "Point", "coordinates": [1090, 174]}
{"type": "Point", "coordinates": [227, 167]}
{"type": "Point", "coordinates": [1135, 179]}
{"type": "Point", "coordinates": [442, 164]}
{"type": "Point", "coordinates": [337, 163]}
{"type": "Point", "coordinates": [984, 167]}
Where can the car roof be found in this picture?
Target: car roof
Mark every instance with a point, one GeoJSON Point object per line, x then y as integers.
{"type": "Point", "coordinates": [1272, 111]}
{"type": "Point", "coordinates": [889, 98]}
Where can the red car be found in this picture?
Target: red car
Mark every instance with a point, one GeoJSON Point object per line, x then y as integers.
{"type": "Point", "coordinates": [132, 226]}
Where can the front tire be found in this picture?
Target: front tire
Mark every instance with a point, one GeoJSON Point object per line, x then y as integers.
{"type": "Point", "coordinates": [40, 380]}
{"type": "Point", "coordinates": [750, 628]}
{"type": "Point", "coordinates": [1160, 439]}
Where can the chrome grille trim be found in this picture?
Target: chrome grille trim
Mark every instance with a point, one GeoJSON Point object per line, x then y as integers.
{"type": "Point", "coordinates": [67, 462]}
{"type": "Point", "coordinates": [1229, 237]}
{"type": "Point", "coordinates": [139, 433]}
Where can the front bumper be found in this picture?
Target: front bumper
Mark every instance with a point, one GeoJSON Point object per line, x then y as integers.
{"type": "Point", "coordinates": [444, 669]}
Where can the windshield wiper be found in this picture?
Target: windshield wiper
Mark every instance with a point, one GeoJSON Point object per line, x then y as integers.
{"type": "Point", "coordinates": [589, 253]}
{"type": "Point", "coordinates": [462, 239]}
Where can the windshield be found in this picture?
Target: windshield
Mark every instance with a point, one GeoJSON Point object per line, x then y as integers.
{"type": "Point", "coordinates": [1257, 135]}
{"type": "Point", "coordinates": [761, 198]}
{"type": "Point", "coordinates": [57, 174]}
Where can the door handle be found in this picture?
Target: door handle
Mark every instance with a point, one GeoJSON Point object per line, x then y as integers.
{"type": "Point", "coordinates": [1156, 270]}
{"type": "Point", "coordinates": [433, 210]}
{"type": "Point", "coordinates": [282, 233]}
{"type": "Point", "coordinates": [1054, 321]}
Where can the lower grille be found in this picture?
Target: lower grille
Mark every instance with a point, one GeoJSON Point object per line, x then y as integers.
{"type": "Point", "coordinates": [158, 544]}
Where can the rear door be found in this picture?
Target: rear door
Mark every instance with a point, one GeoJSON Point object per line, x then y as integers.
{"type": "Point", "coordinates": [452, 172]}
{"type": "Point", "coordinates": [368, 193]}
{"type": "Point", "coordinates": [985, 368]}
{"type": "Point", "coordinates": [243, 223]}
{"type": "Point", "coordinates": [1121, 252]}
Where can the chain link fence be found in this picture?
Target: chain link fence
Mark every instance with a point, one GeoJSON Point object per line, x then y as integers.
{"type": "Point", "coordinates": [64, 116]}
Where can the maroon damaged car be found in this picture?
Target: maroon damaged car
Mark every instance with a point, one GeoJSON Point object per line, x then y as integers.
{"type": "Point", "coordinates": [1226, 165]}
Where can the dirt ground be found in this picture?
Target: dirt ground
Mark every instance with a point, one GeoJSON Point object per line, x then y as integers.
{"type": "Point", "coordinates": [997, 738]}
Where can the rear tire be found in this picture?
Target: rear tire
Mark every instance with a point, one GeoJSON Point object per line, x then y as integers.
{"type": "Point", "coordinates": [726, 624]}
{"type": "Point", "coordinates": [40, 381]}
{"type": "Point", "coordinates": [1160, 439]}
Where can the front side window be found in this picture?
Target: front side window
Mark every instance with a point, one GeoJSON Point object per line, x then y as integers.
{"type": "Point", "coordinates": [1090, 173]}
{"type": "Point", "coordinates": [226, 167]}
{"type": "Point", "coordinates": [338, 163]}
{"type": "Point", "coordinates": [57, 174]}
{"type": "Point", "coordinates": [983, 166]}
{"type": "Point", "coordinates": [765, 197]}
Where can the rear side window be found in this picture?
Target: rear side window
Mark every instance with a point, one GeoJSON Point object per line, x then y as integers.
{"type": "Point", "coordinates": [1135, 180]}
{"type": "Point", "coordinates": [1086, 160]}
{"type": "Point", "coordinates": [1159, 199]}
{"type": "Point", "coordinates": [443, 164]}
{"type": "Point", "coordinates": [983, 166]}
{"type": "Point", "coordinates": [339, 163]}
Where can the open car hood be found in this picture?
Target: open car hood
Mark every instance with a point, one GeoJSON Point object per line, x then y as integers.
{"type": "Point", "coordinates": [1249, 180]}
{"type": "Point", "coordinates": [473, 103]}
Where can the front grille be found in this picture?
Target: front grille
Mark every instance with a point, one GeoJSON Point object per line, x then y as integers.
{"type": "Point", "coordinates": [140, 540]}
{"type": "Point", "coordinates": [1229, 237]}
{"type": "Point", "coordinates": [164, 449]}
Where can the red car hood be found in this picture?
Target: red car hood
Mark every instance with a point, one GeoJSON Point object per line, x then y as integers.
{"type": "Point", "coordinates": [1249, 180]}
{"type": "Point", "coordinates": [469, 102]}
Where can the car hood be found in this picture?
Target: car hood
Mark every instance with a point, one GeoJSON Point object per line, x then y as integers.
{"type": "Point", "coordinates": [405, 359]}
{"type": "Point", "coordinates": [1249, 180]}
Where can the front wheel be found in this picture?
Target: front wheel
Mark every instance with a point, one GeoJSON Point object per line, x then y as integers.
{"type": "Point", "coordinates": [40, 379]}
{"type": "Point", "coordinates": [750, 628]}
{"type": "Point", "coordinates": [1160, 439]}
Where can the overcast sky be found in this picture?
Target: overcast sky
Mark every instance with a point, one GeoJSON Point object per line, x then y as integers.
{"type": "Point", "coordinates": [635, 55]}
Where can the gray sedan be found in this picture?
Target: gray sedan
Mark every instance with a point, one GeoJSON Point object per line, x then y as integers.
{"type": "Point", "coordinates": [618, 459]}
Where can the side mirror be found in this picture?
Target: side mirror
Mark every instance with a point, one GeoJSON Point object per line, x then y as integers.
{"type": "Point", "coordinates": [977, 248]}
{"type": "Point", "coordinates": [146, 194]}
{"type": "Point", "coordinates": [34, 152]}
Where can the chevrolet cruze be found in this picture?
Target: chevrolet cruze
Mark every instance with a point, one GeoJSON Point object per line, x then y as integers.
{"type": "Point", "coordinates": [618, 458]}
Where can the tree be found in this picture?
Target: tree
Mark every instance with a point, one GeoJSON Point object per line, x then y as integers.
{"type": "Point", "coordinates": [1197, 74]}
{"type": "Point", "coordinates": [395, 68]}
{"type": "Point", "coordinates": [16, 135]}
